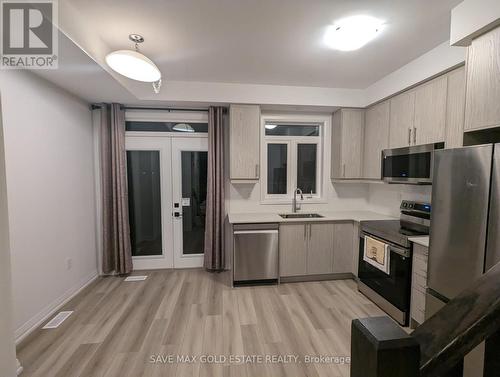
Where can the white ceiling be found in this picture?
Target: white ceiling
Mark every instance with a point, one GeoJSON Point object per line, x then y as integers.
{"type": "Point", "coordinates": [267, 41]}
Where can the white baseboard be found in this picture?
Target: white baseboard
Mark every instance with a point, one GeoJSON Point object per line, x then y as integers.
{"type": "Point", "coordinates": [32, 324]}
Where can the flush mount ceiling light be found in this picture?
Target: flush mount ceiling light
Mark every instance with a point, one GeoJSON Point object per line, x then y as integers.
{"type": "Point", "coordinates": [183, 127]}
{"type": "Point", "coordinates": [134, 65]}
{"type": "Point", "coordinates": [352, 33]}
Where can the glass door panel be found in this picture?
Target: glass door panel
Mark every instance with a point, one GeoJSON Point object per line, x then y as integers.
{"type": "Point", "coordinates": [149, 175]}
{"type": "Point", "coordinates": [189, 173]}
{"type": "Point", "coordinates": [194, 195]}
{"type": "Point", "coordinates": [144, 197]}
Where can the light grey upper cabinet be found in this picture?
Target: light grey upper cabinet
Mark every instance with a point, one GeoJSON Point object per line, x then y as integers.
{"type": "Point", "coordinates": [244, 142]}
{"type": "Point", "coordinates": [347, 142]}
{"type": "Point", "coordinates": [401, 120]}
{"type": "Point", "coordinates": [376, 139]}
{"type": "Point", "coordinates": [455, 109]}
{"type": "Point", "coordinates": [430, 111]}
{"type": "Point", "coordinates": [482, 109]}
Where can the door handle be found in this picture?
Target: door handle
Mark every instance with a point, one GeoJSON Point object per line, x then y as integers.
{"type": "Point", "coordinates": [409, 136]}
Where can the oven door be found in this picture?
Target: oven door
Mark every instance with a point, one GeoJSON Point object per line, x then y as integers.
{"type": "Point", "coordinates": [394, 287]}
{"type": "Point", "coordinates": [411, 165]}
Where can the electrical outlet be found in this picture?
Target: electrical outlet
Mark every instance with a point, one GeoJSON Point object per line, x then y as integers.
{"type": "Point", "coordinates": [69, 263]}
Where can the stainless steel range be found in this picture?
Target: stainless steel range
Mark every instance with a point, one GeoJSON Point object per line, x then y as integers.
{"type": "Point", "coordinates": [385, 258]}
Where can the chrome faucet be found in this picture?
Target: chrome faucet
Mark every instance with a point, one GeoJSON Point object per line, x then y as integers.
{"type": "Point", "coordinates": [295, 206]}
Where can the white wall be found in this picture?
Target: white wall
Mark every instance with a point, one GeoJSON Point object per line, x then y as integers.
{"type": "Point", "coordinates": [472, 18]}
{"type": "Point", "coordinates": [339, 196]}
{"type": "Point", "coordinates": [386, 198]}
{"type": "Point", "coordinates": [433, 62]}
{"type": "Point", "coordinates": [7, 347]}
{"type": "Point", "coordinates": [50, 183]}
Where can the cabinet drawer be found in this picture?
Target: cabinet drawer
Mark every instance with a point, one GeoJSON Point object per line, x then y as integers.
{"type": "Point", "coordinates": [418, 315]}
{"type": "Point", "coordinates": [418, 300]}
{"type": "Point", "coordinates": [419, 282]}
{"type": "Point", "coordinates": [420, 267]}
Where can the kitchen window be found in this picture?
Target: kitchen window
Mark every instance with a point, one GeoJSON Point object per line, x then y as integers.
{"type": "Point", "coordinates": [291, 158]}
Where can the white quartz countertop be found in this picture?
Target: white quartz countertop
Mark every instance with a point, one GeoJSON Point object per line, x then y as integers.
{"type": "Point", "coordinates": [421, 240]}
{"type": "Point", "coordinates": [255, 218]}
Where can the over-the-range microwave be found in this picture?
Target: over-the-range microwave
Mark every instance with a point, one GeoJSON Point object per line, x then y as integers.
{"type": "Point", "coordinates": [409, 165]}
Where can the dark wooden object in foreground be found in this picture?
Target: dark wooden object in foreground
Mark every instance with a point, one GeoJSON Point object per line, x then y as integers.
{"type": "Point", "coordinates": [379, 348]}
{"type": "Point", "coordinates": [444, 339]}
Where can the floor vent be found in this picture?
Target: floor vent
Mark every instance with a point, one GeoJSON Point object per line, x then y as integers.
{"type": "Point", "coordinates": [57, 320]}
{"type": "Point", "coordinates": [136, 278]}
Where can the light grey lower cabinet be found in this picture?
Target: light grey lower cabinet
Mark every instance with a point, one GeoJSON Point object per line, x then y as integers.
{"type": "Point", "coordinates": [293, 249]}
{"type": "Point", "coordinates": [419, 282]}
{"type": "Point", "coordinates": [320, 248]}
{"type": "Point", "coordinates": [343, 248]}
{"type": "Point", "coordinates": [316, 248]}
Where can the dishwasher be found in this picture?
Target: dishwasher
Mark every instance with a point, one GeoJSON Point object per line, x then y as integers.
{"type": "Point", "coordinates": [255, 253]}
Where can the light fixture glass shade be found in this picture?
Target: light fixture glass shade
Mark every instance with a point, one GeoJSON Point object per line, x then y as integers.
{"type": "Point", "coordinates": [183, 127]}
{"type": "Point", "coordinates": [134, 65]}
{"type": "Point", "coordinates": [352, 33]}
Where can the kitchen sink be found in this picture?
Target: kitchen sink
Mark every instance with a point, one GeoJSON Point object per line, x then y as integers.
{"type": "Point", "coordinates": [300, 215]}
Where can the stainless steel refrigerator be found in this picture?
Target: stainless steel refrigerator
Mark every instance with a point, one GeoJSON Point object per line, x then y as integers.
{"type": "Point", "coordinates": [465, 228]}
{"type": "Point", "coordinates": [465, 220]}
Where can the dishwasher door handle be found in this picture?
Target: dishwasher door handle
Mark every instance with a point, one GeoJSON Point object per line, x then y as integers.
{"type": "Point", "coordinates": [255, 231]}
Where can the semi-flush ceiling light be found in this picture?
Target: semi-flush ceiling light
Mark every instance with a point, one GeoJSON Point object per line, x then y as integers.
{"type": "Point", "coordinates": [183, 127]}
{"type": "Point", "coordinates": [352, 33]}
{"type": "Point", "coordinates": [134, 65]}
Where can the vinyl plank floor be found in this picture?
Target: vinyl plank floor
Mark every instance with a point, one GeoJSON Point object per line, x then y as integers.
{"type": "Point", "coordinates": [153, 328]}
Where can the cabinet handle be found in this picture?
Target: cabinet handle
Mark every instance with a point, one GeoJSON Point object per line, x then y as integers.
{"type": "Point", "coordinates": [409, 136]}
{"type": "Point", "coordinates": [305, 230]}
{"type": "Point", "coordinates": [414, 135]}
{"type": "Point", "coordinates": [257, 171]}
{"type": "Point", "coordinates": [310, 231]}
{"type": "Point", "coordinates": [343, 170]}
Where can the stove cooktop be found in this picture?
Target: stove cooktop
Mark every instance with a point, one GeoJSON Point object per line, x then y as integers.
{"type": "Point", "coordinates": [394, 231]}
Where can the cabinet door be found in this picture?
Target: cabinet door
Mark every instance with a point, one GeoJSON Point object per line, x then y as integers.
{"type": "Point", "coordinates": [430, 111]}
{"type": "Point", "coordinates": [320, 248]}
{"type": "Point", "coordinates": [376, 139]}
{"type": "Point", "coordinates": [336, 142]}
{"type": "Point", "coordinates": [402, 114]}
{"type": "Point", "coordinates": [244, 143]}
{"type": "Point", "coordinates": [482, 101]}
{"type": "Point", "coordinates": [343, 247]}
{"type": "Point", "coordinates": [355, 248]}
{"type": "Point", "coordinates": [293, 250]}
{"type": "Point", "coordinates": [455, 109]}
{"type": "Point", "coordinates": [352, 139]}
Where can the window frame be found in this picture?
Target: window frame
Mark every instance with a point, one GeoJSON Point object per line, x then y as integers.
{"type": "Point", "coordinates": [292, 155]}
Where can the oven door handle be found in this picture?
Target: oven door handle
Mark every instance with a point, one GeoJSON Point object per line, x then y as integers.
{"type": "Point", "coordinates": [392, 247]}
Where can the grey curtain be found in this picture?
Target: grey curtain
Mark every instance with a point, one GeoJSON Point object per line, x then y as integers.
{"type": "Point", "coordinates": [117, 254]}
{"type": "Point", "coordinates": [215, 212]}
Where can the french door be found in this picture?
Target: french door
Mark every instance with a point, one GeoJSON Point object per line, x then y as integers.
{"type": "Point", "coordinates": [167, 181]}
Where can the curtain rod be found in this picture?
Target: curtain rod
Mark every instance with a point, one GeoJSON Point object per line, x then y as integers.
{"type": "Point", "coordinates": [95, 106]}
